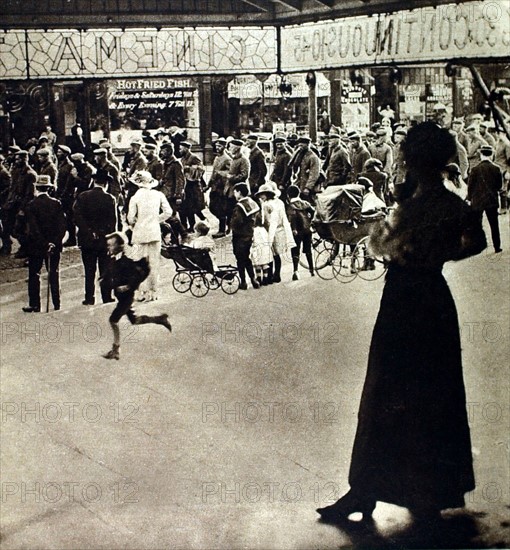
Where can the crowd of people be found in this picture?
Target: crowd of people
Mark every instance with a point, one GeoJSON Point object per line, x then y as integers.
{"type": "Point", "coordinates": [267, 207]}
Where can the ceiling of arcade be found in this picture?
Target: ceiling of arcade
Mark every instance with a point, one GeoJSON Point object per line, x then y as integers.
{"type": "Point", "coordinates": [144, 13]}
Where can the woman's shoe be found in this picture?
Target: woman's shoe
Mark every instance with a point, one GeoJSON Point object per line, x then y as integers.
{"type": "Point", "coordinates": [347, 505]}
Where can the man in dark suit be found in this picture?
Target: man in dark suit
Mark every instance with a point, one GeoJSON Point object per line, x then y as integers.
{"type": "Point", "coordinates": [95, 214]}
{"type": "Point", "coordinates": [484, 182]}
{"type": "Point", "coordinates": [258, 167]}
{"type": "Point", "coordinates": [46, 231]}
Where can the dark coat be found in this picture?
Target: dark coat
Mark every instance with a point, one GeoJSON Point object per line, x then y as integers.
{"type": "Point", "coordinates": [281, 171]}
{"type": "Point", "coordinates": [258, 169]}
{"type": "Point", "coordinates": [172, 181]}
{"type": "Point", "coordinates": [49, 169]}
{"type": "Point", "coordinates": [155, 167]}
{"type": "Point", "coordinates": [126, 272]}
{"type": "Point", "coordinates": [484, 182]}
{"type": "Point", "coordinates": [358, 158]}
{"type": "Point", "coordinates": [339, 167]}
{"type": "Point", "coordinates": [412, 446]}
{"type": "Point", "coordinates": [95, 215]}
{"type": "Point", "coordinates": [64, 175]}
{"type": "Point", "coordinates": [242, 219]}
{"type": "Point", "coordinates": [46, 224]}
{"type": "Point", "coordinates": [379, 180]}
{"type": "Point", "coordinates": [239, 172]}
{"type": "Point", "coordinates": [22, 187]}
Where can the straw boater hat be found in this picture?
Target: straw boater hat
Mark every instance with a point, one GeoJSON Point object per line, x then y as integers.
{"type": "Point", "coordinates": [43, 182]}
{"type": "Point", "coordinates": [143, 178]}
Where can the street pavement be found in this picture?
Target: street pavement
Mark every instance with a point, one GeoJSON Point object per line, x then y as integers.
{"type": "Point", "coordinates": [230, 431]}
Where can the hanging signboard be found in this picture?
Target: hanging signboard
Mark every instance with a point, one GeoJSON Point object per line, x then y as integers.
{"type": "Point", "coordinates": [479, 29]}
{"type": "Point", "coordinates": [136, 52]}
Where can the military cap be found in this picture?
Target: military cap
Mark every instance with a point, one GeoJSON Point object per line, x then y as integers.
{"type": "Point", "coordinates": [77, 156]}
{"type": "Point", "coordinates": [100, 151]}
{"type": "Point", "coordinates": [43, 151]}
{"type": "Point", "coordinates": [237, 142]}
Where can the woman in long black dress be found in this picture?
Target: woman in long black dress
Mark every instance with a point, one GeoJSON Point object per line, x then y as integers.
{"type": "Point", "coordinates": [412, 445]}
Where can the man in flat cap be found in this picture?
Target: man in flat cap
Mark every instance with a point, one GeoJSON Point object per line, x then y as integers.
{"type": "Point", "coordinates": [103, 164]}
{"type": "Point", "coordinates": [305, 166]}
{"type": "Point", "coordinates": [382, 151]}
{"type": "Point", "coordinates": [485, 134]}
{"type": "Point", "coordinates": [281, 172]}
{"type": "Point", "coordinates": [20, 194]}
{"type": "Point", "coordinates": [218, 184]}
{"type": "Point", "coordinates": [484, 183]}
{"type": "Point", "coordinates": [359, 154]}
{"type": "Point", "coordinates": [339, 167]}
{"type": "Point", "coordinates": [154, 163]}
{"type": "Point", "coordinates": [134, 159]}
{"type": "Point", "coordinates": [458, 126]}
{"type": "Point", "coordinates": [105, 144]}
{"type": "Point", "coordinates": [239, 172]}
{"type": "Point", "coordinates": [258, 167]}
{"type": "Point", "coordinates": [193, 202]}
{"type": "Point", "coordinates": [64, 168]}
{"type": "Point", "coordinates": [46, 166]}
{"type": "Point", "coordinates": [95, 215]}
{"type": "Point", "coordinates": [473, 145]}
{"type": "Point", "coordinates": [46, 230]}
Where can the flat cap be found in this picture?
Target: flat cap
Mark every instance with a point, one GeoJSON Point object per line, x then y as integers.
{"type": "Point", "coordinates": [100, 151]}
{"type": "Point", "coordinates": [64, 148]}
{"type": "Point", "coordinates": [77, 156]}
{"type": "Point", "coordinates": [237, 142]}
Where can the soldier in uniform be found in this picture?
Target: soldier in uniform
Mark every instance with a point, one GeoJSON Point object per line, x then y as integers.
{"type": "Point", "coordinates": [193, 202]}
{"type": "Point", "coordinates": [359, 154]}
{"type": "Point", "coordinates": [46, 230]}
{"type": "Point", "coordinates": [238, 173]}
{"type": "Point", "coordinates": [339, 166]}
{"type": "Point", "coordinates": [154, 164]}
{"type": "Point", "coordinates": [218, 185]}
{"type": "Point", "coordinates": [281, 172]}
{"type": "Point", "coordinates": [258, 167]}
{"type": "Point", "coordinates": [137, 160]}
{"type": "Point", "coordinates": [46, 166]}
{"type": "Point", "coordinates": [103, 164]}
{"type": "Point", "coordinates": [382, 151]}
{"type": "Point", "coordinates": [305, 165]}
{"type": "Point", "coordinates": [95, 214]}
{"type": "Point", "coordinates": [20, 194]}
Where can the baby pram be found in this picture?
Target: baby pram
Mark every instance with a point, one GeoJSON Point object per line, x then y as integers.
{"type": "Point", "coordinates": [195, 271]}
{"type": "Point", "coordinates": [340, 222]}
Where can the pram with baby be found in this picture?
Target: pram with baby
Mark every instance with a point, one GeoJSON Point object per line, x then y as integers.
{"type": "Point", "coordinates": [196, 273]}
{"type": "Point", "coordinates": [344, 217]}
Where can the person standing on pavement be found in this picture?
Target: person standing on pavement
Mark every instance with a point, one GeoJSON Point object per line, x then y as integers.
{"type": "Point", "coordinates": [502, 159]}
{"type": "Point", "coordinates": [338, 171]}
{"type": "Point", "coordinates": [281, 172]}
{"type": "Point", "coordinates": [154, 163]}
{"type": "Point", "coordinates": [95, 214]}
{"type": "Point", "coordinates": [382, 151]}
{"type": "Point", "coordinates": [218, 186]}
{"type": "Point", "coordinates": [46, 166]}
{"type": "Point", "coordinates": [136, 160]}
{"type": "Point", "coordinates": [306, 168]}
{"type": "Point", "coordinates": [21, 192]}
{"type": "Point", "coordinates": [258, 167]}
{"type": "Point", "coordinates": [242, 225]}
{"type": "Point", "coordinates": [484, 183]}
{"type": "Point", "coordinates": [193, 201]}
{"type": "Point", "coordinates": [359, 154]}
{"type": "Point", "coordinates": [473, 143]}
{"type": "Point", "coordinates": [46, 231]}
{"type": "Point", "coordinates": [412, 446]}
{"type": "Point", "coordinates": [124, 275]}
{"type": "Point", "coordinates": [103, 164]}
{"type": "Point", "coordinates": [239, 172]}
{"type": "Point", "coordinates": [148, 208]}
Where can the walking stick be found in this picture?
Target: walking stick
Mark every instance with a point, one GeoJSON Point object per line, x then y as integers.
{"type": "Point", "coordinates": [48, 285]}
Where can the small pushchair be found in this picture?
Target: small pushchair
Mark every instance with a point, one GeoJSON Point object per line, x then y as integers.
{"type": "Point", "coordinates": [195, 271]}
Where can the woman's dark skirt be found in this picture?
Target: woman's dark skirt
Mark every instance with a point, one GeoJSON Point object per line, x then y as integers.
{"type": "Point", "coordinates": [412, 445]}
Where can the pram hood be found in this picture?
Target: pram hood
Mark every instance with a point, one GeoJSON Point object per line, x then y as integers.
{"type": "Point", "coordinates": [339, 203]}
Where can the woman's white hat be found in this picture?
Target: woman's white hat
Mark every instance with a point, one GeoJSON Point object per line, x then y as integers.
{"type": "Point", "coordinates": [143, 178]}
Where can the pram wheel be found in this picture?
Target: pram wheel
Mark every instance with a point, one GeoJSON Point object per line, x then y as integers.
{"type": "Point", "coordinates": [181, 281]}
{"type": "Point", "coordinates": [345, 267]}
{"type": "Point", "coordinates": [230, 283]}
{"type": "Point", "coordinates": [324, 264]}
{"type": "Point", "coordinates": [199, 286]}
{"type": "Point", "coordinates": [369, 266]}
{"type": "Point", "coordinates": [214, 282]}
